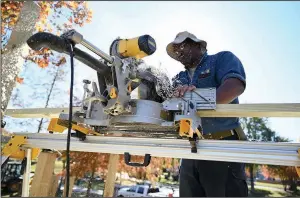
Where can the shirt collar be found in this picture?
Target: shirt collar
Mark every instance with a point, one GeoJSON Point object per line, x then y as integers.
{"type": "Point", "coordinates": [203, 59]}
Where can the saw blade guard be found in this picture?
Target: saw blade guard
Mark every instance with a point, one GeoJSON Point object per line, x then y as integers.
{"type": "Point", "coordinates": [142, 112]}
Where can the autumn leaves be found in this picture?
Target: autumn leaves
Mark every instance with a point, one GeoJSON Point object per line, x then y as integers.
{"type": "Point", "coordinates": [54, 17]}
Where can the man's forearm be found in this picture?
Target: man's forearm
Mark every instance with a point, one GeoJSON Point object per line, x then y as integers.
{"type": "Point", "coordinates": [229, 90]}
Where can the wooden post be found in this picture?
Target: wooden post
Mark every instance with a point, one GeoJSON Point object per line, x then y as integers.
{"type": "Point", "coordinates": [298, 167]}
{"type": "Point", "coordinates": [26, 175]}
{"type": "Point", "coordinates": [111, 175]}
{"type": "Point", "coordinates": [54, 185]}
{"type": "Point", "coordinates": [71, 185]}
{"type": "Point", "coordinates": [298, 170]}
{"type": "Point", "coordinates": [43, 176]}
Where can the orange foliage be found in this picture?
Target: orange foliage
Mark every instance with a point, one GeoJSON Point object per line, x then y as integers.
{"type": "Point", "coordinates": [19, 80]}
{"type": "Point", "coordinates": [285, 173]}
{"type": "Point", "coordinates": [247, 171]}
{"type": "Point", "coordinates": [61, 61]}
{"type": "Point", "coordinates": [266, 172]}
{"type": "Point", "coordinates": [71, 12]}
{"type": "Point", "coordinates": [87, 162]}
{"type": "Point", "coordinates": [10, 11]}
{"type": "Point", "coordinates": [152, 171]}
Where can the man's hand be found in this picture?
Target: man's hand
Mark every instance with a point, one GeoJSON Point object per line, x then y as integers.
{"type": "Point", "coordinates": [180, 91]}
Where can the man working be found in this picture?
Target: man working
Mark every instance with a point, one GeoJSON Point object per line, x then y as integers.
{"type": "Point", "coordinates": [225, 72]}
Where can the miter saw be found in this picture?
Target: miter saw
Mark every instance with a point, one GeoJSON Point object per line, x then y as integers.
{"type": "Point", "coordinates": [108, 107]}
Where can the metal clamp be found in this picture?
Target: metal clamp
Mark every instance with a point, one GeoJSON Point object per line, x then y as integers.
{"type": "Point", "coordinates": [193, 142]}
{"type": "Point", "coordinates": [73, 35]}
{"type": "Point", "coordinates": [23, 166]}
{"type": "Point", "coordinates": [13, 146]}
{"type": "Point", "coordinates": [147, 160]}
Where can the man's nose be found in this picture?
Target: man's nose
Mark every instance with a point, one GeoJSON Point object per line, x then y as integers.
{"type": "Point", "coordinates": [179, 53]}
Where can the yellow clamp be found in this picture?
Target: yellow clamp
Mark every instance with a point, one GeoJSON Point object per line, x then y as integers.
{"type": "Point", "coordinates": [185, 128]}
{"type": "Point", "coordinates": [129, 86]}
{"type": "Point", "coordinates": [12, 148]}
{"type": "Point", "coordinates": [58, 125]}
{"type": "Point", "coordinates": [113, 93]}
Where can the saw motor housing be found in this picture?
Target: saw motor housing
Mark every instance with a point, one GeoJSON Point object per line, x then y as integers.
{"type": "Point", "coordinates": [138, 47]}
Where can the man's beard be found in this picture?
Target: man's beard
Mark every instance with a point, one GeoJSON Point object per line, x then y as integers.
{"type": "Point", "coordinates": [187, 60]}
{"type": "Point", "coordinates": [191, 62]}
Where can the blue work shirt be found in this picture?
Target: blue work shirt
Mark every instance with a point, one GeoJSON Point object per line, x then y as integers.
{"type": "Point", "coordinates": [212, 71]}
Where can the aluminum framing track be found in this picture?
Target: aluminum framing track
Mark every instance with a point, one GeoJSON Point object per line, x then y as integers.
{"type": "Point", "coordinates": [284, 154]}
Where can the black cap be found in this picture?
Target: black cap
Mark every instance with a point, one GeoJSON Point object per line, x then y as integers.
{"type": "Point", "coordinates": [147, 44]}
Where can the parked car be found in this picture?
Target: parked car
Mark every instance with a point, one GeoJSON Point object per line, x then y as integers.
{"type": "Point", "coordinates": [81, 185]}
{"type": "Point", "coordinates": [143, 191]}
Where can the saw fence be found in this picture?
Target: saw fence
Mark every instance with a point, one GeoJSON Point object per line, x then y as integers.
{"type": "Point", "coordinates": [45, 182]}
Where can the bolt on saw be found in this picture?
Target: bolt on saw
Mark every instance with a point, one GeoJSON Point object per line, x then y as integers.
{"type": "Point", "coordinates": [108, 106]}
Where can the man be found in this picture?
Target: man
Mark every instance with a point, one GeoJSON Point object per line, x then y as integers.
{"type": "Point", "coordinates": [225, 72]}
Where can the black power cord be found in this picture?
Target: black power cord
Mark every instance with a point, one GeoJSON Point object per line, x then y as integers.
{"type": "Point", "coordinates": [70, 122]}
{"type": "Point", "coordinates": [59, 44]}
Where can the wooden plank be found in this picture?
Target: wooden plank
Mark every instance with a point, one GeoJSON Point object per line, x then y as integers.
{"type": "Point", "coordinates": [254, 110]}
{"type": "Point", "coordinates": [222, 110]}
{"type": "Point", "coordinates": [43, 176]}
{"type": "Point", "coordinates": [38, 112]}
{"type": "Point", "coordinates": [26, 174]}
{"type": "Point", "coordinates": [111, 175]}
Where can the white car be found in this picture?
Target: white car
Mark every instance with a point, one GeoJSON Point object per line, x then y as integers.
{"type": "Point", "coordinates": [142, 191]}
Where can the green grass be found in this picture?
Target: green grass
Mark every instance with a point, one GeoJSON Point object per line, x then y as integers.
{"type": "Point", "coordinates": [259, 193]}
{"type": "Point", "coordinates": [271, 193]}
{"type": "Point", "coordinates": [267, 193]}
{"type": "Point", "coordinates": [271, 185]}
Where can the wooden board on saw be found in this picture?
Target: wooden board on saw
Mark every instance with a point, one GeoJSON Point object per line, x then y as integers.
{"type": "Point", "coordinates": [222, 110]}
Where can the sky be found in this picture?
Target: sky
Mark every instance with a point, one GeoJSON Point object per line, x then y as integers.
{"type": "Point", "coordinates": [263, 35]}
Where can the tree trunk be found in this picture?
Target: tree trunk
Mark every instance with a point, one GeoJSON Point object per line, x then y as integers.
{"type": "Point", "coordinates": [252, 176]}
{"type": "Point", "coordinates": [71, 185]}
{"type": "Point", "coordinates": [120, 178]}
{"type": "Point", "coordinates": [292, 185]}
{"type": "Point", "coordinates": [88, 192]}
{"type": "Point", "coordinates": [12, 60]}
